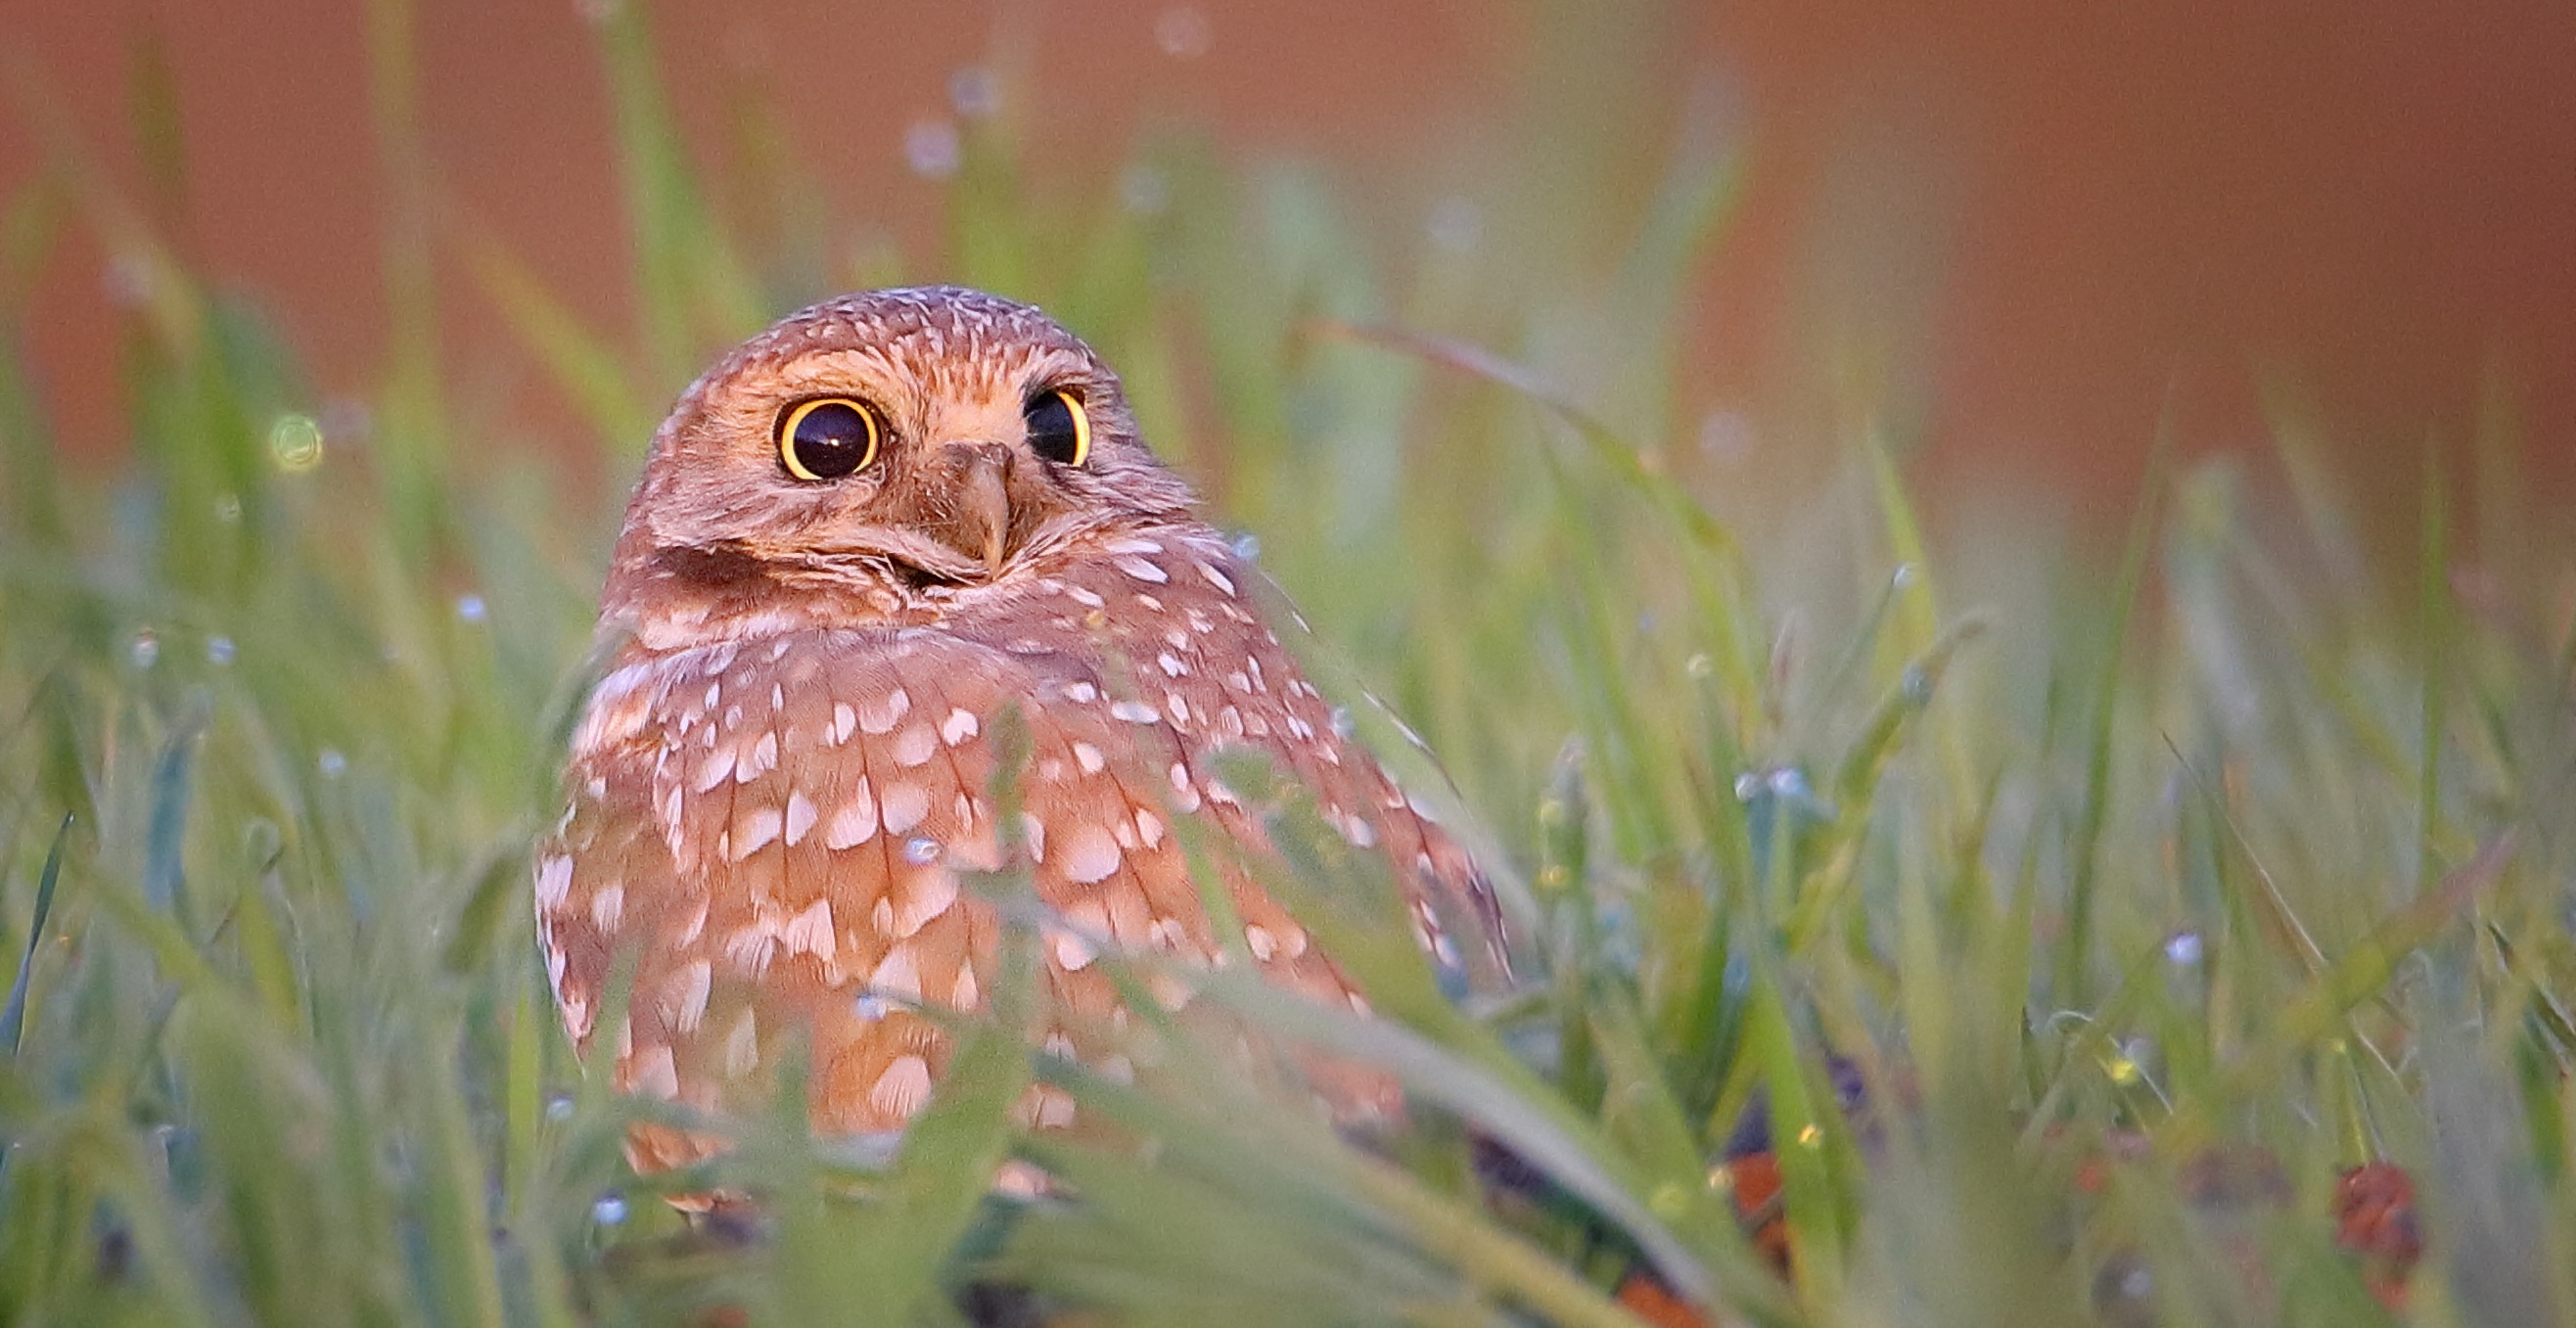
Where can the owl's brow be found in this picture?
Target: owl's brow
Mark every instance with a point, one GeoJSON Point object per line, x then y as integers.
{"type": "Point", "coordinates": [1014, 372]}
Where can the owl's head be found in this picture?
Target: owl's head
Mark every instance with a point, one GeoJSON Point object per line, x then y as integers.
{"type": "Point", "coordinates": [924, 437]}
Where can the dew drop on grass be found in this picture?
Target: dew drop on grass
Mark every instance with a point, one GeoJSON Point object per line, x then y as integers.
{"type": "Point", "coordinates": [219, 650]}
{"type": "Point", "coordinates": [146, 649]}
{"type": "Point", "coordinates": [921, 850]}
{"type": "Point", "coordinates": [869, 1009]}
{"type": "Point", "coordinates": [609, 1209]}
{"type": "Point", "coordinates": [2183, 949]}
{"type": "Point", "coordinates": [559, 1108]}
{"type": "Point", "coordinates": [972, 93]}
{"type": "Point", "coordinates": [1917, 683]}
{"type": "Point", "coordinates": [295, 443]}
{"type": "Point", "coordinates": [1246, 546]}
{"type": "Point", "coordinates": [932, 149]}
{"type": "Point", "coordinates": [1343, 725]}
{"type": "Point", "coordinates": [332, 763]}
{"type": "Point", "coordinates": [471, 608]}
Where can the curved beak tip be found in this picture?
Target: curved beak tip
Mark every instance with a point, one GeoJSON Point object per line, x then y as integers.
{"type": "Point", "coordinates": [987, 510]}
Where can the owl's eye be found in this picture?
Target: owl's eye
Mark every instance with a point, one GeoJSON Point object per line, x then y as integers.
{"type": "Point", "coordinates": [827, 437]}
{"type": "Point", "coordinates": [1059, 428]}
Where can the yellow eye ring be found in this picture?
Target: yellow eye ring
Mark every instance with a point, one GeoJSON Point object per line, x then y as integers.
{"type": "Point", "coordinates": [1059, 428]}
{"type": "Point", "coordinates": [828, 437]}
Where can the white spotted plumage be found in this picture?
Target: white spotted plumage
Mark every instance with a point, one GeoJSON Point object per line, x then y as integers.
{"type": "Point", "coordinates": [777, 786]}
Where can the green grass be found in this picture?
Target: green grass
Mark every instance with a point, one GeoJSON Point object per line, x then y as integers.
{"type": "Point", "coordinates": [2229, 839]}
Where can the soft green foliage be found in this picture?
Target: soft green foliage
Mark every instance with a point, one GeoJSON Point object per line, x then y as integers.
{"type": "Point", "coordinates": [2229, 840]}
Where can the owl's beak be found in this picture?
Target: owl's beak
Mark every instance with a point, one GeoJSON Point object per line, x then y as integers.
{"type": "Point", "coordinates": [984, 509]}
{"type": "Point", "coordinates": [963, 501]}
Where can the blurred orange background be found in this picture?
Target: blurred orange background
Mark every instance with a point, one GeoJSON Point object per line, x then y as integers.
{"type": "Point", "coordinates": [2063, 222]}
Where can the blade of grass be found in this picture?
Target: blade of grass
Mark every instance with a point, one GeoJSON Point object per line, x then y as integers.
{"type": "Point", "coordinates": [582, 367]}
{"type": "Point", "coordinates": [1716, 574]}
{"type": "Point", "coordinates": [164, 877]}
{"type": "Point", "coordinates": [2360, 973]}
{"type": "Point", "coordinates": [2074, 967]}
{"type": "Point", "coordinates": [2433, 632]}
{"type": "Point", "coordinates": [409, 424]}
{"type": "Point", "coordinates": [13, 1018]}
{"type": "Point", "coordinates": [687, 280]}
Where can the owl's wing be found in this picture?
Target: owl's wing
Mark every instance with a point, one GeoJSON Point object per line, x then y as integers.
{"type": "Point", "coordinates": [1171, 616]}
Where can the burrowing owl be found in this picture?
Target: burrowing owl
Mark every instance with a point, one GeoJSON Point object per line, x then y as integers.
{"type": "Point", "coordinates": [859, 539]}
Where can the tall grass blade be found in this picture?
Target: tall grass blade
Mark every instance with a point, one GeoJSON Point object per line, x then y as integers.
{"type": "Point", "coordinates": [410, 429]}
{"type": "Point", "coordinates": [2084, 851]}
{"type": "Point", "coordinates": [2433, 632]}
{"type": "Point", "coordinates": [13, 1016]}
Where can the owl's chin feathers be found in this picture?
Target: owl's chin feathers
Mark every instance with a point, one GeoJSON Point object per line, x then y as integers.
{"type": "Point", "coordinates": [918, 564]}
{"type": "Point", "coordinates": [690, 594]}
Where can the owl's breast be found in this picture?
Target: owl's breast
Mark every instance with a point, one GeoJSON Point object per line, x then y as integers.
{"type": "Point", "coordinates": [785, 831]}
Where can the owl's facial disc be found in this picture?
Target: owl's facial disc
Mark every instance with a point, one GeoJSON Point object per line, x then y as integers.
{"type": "Point", "coordinates": [930, 439]}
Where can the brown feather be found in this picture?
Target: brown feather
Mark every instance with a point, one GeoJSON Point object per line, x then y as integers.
{"type": "Point", "coordinates": [776, 788]}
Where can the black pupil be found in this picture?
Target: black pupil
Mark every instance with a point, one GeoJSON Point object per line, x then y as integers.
{"type": "Point", "coordinates": [1052, 433]}
{"type": "Point", "coordinates": [831, 439]}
